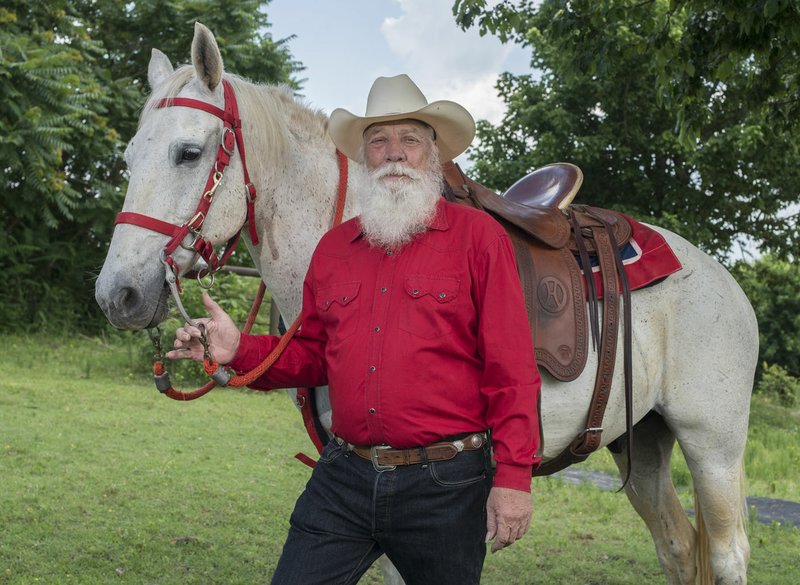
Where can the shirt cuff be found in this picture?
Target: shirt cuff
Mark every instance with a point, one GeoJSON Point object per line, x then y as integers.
{"type": "Point", "coordinates": [516, 477]}
{"type": "Point", "coordinates": [248, 355]}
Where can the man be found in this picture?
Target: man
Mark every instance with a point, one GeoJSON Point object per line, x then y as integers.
{"type": "Point", "coordinates": [413, 315]}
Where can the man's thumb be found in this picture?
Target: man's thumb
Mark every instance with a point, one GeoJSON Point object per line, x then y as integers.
{"type": "Point", "coordinates": [214, 310]}
{"type": "Point", "coordinates": [491, 525]}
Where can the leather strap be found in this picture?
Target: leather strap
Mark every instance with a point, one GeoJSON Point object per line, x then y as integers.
{"type": "Point", "coordinates": [589, 440]}
{"type": "Point", "coordinates": [613, 275]}
{"type": "Point", "coordinates": [443, 451]}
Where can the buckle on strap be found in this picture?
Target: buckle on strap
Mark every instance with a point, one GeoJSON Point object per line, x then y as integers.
{"type": "Point", "coordinates": [590, 430]}
{"type": "Point", "coordinates": [373, 456]}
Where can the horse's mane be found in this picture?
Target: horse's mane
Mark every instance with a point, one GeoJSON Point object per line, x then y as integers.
{"type": "Point", "coordinates": [272, 109]}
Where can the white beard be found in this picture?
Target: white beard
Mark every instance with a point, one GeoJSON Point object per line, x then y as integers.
{"type": "Point", "coordinates": [393, 212]}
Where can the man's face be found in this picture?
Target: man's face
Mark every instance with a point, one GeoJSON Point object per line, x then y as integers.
{"type": "Point", "coordinates": [404, 142]}
{"type": "Point", "coordinates": [405, 182]}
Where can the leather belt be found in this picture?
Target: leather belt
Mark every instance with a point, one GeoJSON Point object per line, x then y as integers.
{"type": "Point", "coordinates": [385, 458]}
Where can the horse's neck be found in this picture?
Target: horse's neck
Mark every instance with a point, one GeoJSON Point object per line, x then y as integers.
{"type": "Point", "coordinates": [295, 207]}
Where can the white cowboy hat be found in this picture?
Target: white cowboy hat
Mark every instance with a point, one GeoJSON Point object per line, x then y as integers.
{"type": "Point", "coordinates": [398, 98]}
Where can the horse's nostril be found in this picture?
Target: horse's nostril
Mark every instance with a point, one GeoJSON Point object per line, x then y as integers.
{"type": "Point", "coordinates": [127, 299]}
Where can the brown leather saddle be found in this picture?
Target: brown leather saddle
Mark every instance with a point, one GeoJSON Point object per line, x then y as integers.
{"type": "Point", "coordinates": [554, 241]}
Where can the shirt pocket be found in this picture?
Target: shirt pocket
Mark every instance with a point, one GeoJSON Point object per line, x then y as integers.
{"type": "Point", "coordinates": [429, 305]}
{"type": "Point", "coordinates": [337, 306]}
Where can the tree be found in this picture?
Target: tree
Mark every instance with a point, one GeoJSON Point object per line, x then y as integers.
{"type": "Point", "coordinates": [771, 285]}
{"type": "Point", "coordinates": [72, 80]}
{"type": "Point", "coordinates": [679, 113]}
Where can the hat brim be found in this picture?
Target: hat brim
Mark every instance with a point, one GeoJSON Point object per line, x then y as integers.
{"type": "Point", "coordinates": [454, 126]}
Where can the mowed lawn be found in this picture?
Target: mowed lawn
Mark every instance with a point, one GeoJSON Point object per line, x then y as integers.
{"type": "Point", "coordinates": [103, 480]}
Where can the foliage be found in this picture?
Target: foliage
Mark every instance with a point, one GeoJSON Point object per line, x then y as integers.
{"type": "Point", "coordinates": [57, 146]}
{"type": "Point", "coordinates": [778, 383]}
{"type": "Point", "coordinates": [71, 85]}
{"type": "Point", "coordinates": [104, 480]}
{"type": "Point", "coordinates": [681, 113]}
{"type": "Point", "coordinates": [772, 287]}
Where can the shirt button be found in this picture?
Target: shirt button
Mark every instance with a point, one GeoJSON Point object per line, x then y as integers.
{"type": "Point", "coordinates": [383, 289]}
{"type": "Point", "coordinates": [388, 251]}
{"type": "Point", "coordinates": [415, 292]}
{"type": "Point", "coordinates": [372, 368]}
{"type": "Point", "coordinates": [442, 295]}
{"type": "Point", "coordinates": [372, 411]}
{"type": "Point", "coordinates": [377, 329]}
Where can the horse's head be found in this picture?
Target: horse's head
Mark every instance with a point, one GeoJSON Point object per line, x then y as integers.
{"type": "Point", "coordinates": [171, 160]}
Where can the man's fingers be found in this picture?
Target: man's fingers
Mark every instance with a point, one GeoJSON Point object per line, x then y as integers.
{"type": "Point", "coordinates": [183, 353]}
{"type": "Point", "coordinates": [507, 535]}
{"type": "Point", "coordinates": [504, 537]}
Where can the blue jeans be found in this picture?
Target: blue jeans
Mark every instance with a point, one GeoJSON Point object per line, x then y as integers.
{"type": "Point", "coordinates": [429, 519]}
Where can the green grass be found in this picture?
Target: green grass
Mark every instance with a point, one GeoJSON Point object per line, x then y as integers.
{"type": "Point", "coordinates": [103, 480]}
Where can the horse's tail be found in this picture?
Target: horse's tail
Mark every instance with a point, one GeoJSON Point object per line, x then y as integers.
{"type": "Point", "coordinates": [705, 574]}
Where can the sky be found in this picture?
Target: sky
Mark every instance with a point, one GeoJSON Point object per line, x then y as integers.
{"type": "Point", "coordinates": [346, 44]}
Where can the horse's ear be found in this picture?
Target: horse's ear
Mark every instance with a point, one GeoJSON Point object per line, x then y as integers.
{"type": "Point", "coordinates": [159, 69]}
{"type": "Point", "coordinates": [206, 57]}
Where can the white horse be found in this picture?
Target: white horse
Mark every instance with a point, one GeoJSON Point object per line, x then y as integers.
{"type": "Point", "coordinates": [694, 335]}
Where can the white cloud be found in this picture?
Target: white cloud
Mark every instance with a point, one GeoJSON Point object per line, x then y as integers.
{"type": "Point", "coordinates": [445, 61]}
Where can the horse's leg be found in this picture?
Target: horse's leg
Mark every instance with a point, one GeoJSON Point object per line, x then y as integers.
{"type": "Point", "coordinates": [652, 494]}
{"type": "Point", "coordinates": [718, 474]}
{"type": "Point", "coordinates": [704, 364]}
{"type": "Point", "coordinates": [390, 575]}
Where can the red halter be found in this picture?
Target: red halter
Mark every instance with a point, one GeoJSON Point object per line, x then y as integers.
{"type": "Point", "coordinates": [231, 137]}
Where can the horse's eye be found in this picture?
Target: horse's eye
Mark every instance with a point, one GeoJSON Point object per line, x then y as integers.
{"type": "Point", "coordinates": [190, 153]}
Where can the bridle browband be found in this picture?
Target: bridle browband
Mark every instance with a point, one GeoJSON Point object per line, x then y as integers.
{"type": "Point", "coordinates": [231, 138]}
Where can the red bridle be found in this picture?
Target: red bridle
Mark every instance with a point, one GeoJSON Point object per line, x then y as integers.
{"type": "Point", "coordinates": [231, 137]}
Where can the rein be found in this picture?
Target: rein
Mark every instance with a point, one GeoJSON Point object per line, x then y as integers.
{"type": "Point", "coordinates": [231, 138]}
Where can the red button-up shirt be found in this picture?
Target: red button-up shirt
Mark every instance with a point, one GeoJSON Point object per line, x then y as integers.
{"type": "Point", "coordinates": [417, 343]}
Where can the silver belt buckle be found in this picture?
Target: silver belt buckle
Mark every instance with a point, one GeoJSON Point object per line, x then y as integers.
{"type": "Point", "coordinates": [373, 455]}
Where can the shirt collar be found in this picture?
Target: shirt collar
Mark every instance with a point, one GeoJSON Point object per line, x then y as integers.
{"type": "Point", "coordinates": [439, 222]}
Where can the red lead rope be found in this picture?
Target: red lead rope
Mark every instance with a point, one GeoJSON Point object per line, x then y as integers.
{"type": "Point", "coordinates": [212, 368]}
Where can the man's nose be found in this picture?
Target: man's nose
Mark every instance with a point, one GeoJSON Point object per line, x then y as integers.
{"type": "Point", "coordinates": [395, 152]}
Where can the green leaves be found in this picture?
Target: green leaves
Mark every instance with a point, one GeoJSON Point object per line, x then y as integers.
{"type": "Point", "coordinates": [72, 81]}
{"type": "Point", "coordinates": [681, 113]}
{"type": "Point", "coordinates": [771, 285]}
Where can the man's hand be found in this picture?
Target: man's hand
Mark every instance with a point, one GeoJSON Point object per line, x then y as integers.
{"type": "Point", "coordinates": [509, 516]}
{"type": "Point", "coordinates": [221, 334]}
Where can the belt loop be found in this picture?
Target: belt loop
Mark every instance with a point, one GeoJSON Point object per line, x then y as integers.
{"type": "Point", "coordinates": [423, 457]}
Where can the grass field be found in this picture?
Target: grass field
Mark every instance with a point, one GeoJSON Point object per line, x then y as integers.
{"type": "Point", "coordinates": [103, 480]}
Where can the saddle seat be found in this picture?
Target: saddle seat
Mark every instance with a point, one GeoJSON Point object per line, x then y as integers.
{"type": "Point", "coordinates": [553, 185]}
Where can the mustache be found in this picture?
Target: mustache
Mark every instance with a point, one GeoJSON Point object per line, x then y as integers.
{"type": "Point", "coordinates": [396, 169]}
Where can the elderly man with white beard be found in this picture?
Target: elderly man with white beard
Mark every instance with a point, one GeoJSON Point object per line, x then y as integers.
{"type": "Point", "coordinates": [414, 317]}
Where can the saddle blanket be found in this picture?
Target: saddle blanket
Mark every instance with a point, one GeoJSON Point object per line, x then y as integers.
{"type": "Point", "coordinates": [647, 258]}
